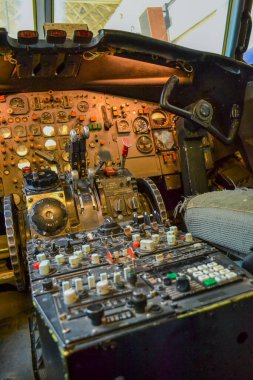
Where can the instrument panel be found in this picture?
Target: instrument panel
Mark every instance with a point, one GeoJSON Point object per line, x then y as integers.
{"type": "Point", "coordinates": [35, 128]}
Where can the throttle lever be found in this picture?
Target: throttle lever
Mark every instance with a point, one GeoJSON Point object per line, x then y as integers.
{"type": "Point", "coordinates": [201, 114]}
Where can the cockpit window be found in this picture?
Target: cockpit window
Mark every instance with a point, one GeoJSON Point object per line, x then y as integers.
{"type": "Point", "coordinates": [248, 55]}
{"type": "Point", "coordinates": [195, 24]}
{"type": "Point", "coordinates": [17, 15]}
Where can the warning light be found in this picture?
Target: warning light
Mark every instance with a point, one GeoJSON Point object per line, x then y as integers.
{"type": "Point", "coordinates": [28, 37]}
{"type": "Point", "coordinates": [82, 36]}
{"type": "Point", "coordinates": [56, 36]}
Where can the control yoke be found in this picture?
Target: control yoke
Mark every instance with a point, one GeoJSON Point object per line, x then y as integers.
{"type": "Point", "coordinates": [201, 113]}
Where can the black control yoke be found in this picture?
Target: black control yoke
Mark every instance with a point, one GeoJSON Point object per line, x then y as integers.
{"type": "Point", "coordinates": [201, 113]}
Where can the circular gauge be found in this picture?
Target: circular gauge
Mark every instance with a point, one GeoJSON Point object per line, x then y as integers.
{"type": "Point", "coordinates": [48, 131]}
{"type": "Point", "coordinates": [23, 163]}
{"type": "Point", "coordinates": [5, 133]}
{"type": "Point", "coordinates": [22, 150]}
{"type": "Point", "coordinates": [123, 126]}
{"type": "Point", "coordinates": [140, 125]}
{"type": "Point", "coordinates": [159, 118]}
{"type": "Point", "coordinates": [34, 130]}
{"type": "Point", "coordinates": [63, 130]}
{"type": "Point", "coordinates": [47, 117]}
{"type": "Point", "coordinates": [17, 104]}
{"type": "Point", "coordinates": [82, 106]}
{"type": "Point", "coordinates": [144, 144]}
{"type": "Point", "coordinates": [65, 156]}
{"type": "Point", "coordinates": [50, 144]}
{"type": "Point", "coordinates": [61, 117]}
{"type": "Point", "coordinates": [20, 131]}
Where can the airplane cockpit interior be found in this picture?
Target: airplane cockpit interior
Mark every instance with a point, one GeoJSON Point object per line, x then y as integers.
{"type": "Point", "coordinates": [126, 190]}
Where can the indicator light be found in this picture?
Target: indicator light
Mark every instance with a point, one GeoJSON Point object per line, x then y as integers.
{"type": "Point", "coordinates": [56, 36]}
{"type": "Point", "coordinates": [82, 36]}
{"type": "Point", "coordinates": [28, 37]}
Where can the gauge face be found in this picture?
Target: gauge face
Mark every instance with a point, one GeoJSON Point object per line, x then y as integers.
{"type": "Point", "coordinates": [48, 131]}
{"type": "Point", "coordinates": [18, 104]}
{"type": "Point", "coordinates": [20, 131]}
{"type": "Point", "coordinates": [140, 125]}
{"type": "Point", "coordinates": [47, 117]}
{"type": "Point", "coordinates": [50, 144]}
{"type": "Point", "coordinates": [159, 118]}
{"type": "Point", "coordinates": [163, 140]}
{"type": "Point", "coordinates": [22, 150]}
{"type": "Point", "coordinates": [23, 163]}
{"type": "Point", "coordinates": [82, 106]}
{"type": "Point", "coordinates": [34, 130]}
{"type": "Point", "coordinates": [123, 126]}
{"type": "Point", "coordinates": [144, 144]}
{"type": "Point", "coordinates": [5, 133]}
{"type": "Point", "coordinates": [61, 117]}
{"type": "Point", "coordinates": [63, 130]}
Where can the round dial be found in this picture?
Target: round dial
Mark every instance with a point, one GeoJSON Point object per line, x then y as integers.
{"type": "Point", "coordinates": [46, 118]}
{"type": "Point", "coordinates": [50, 144]}
{"type": "Point", "coordinates": [23, 163]}
{"type": "Point", "coordinates": [144, 144]}
{"type": "Point", "coordinates": [82, 106]}
{"type": "Point", "coordinates": [61, 117]}
{"type": "Point", "coordinates": [159, 118]}
{"type": "Point", "coordinates": [5, 133]}
{"type": "Point", "coordinates": [141, 125]}
{"type": "Point", "coordinates": [20, 131]}
{"type": "Point", "coordinates": [48, 131]}
{"type": "Point", "coordinates": [22, 150]}
{"type": "Point", "coordinates": [34, 130]}
{"type": "Point", "coordinates": [123, 126]}
{"type": "Point", "coordinates": [63, 130]}
{"type": "Point", "coordinates": [18, 105]}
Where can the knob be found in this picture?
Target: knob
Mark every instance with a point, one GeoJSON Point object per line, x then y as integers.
{"type": "Point", "coordinates": [146, 218]}
{"type": "Point", "coordinates": [70, 296]}
{"type": "Point", "coordinates": [132, 277]}
{"type": "Point", "coordinates": [156, 217]}
{"type": "Point", "coordinates": [95, 312]}
{"type": "Point", "coordinates": [139, 302]}
{"type": "Point", "coordinates": [183, 284]}
{"type": "Point", "coordinates": [47, 284]}
{"type": "Point", "coordinates": [44, 267]}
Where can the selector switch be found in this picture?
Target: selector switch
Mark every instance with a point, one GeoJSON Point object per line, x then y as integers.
{"type": "Point", "coordinates": [95, 313]}
{"type": "Point", "coordinates": [47, 284]}
{"type": "Point", "coordinates": [139, 302]}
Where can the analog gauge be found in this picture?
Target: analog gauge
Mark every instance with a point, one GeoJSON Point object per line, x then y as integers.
{"type": "Point", "coordinates": [63, 130]}
{"type": "Point", "coordinates": [20, 131]}
{"type": "Point", "coordinates": [159, 118]}
{"type": "Point", "coordinates": [47, 117]}
{"type": "Point", "coordinates": [48, 131]}
{"type": "Point", "coordinates": [23, 163]}
{"type": "Point", "coordinates": [123, 126]}
{"type": "Point", "coordinates": [82, 106]}
{"type": "Point", "coordinates": [65, 156]}
{"type": "Point", "coordinates": [50, 144]}
{"type": "Point", "coordinates": [34, 130]}
{"type": "Point", "coordinates": [61, 117]}
{"type": "Point", "coordinates": [22, 150]}
{"type": "Point", "coordinates": [144, 144]}
{"type": "Point", "coordinates": [5, 133]}
{"type": "Point", "coordinates": [18, 104]}
{"type": "Point", "coordinates": [140, 125]}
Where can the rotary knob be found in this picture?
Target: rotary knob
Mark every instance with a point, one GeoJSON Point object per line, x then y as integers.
{"type": "Point", "coordinates": [41, 180]}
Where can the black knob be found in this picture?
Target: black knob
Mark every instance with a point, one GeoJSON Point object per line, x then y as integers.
{"type": "Point", "coordinates": [167, 281]}
{"type": "Point", "coordinates": [139, 301]}
{"type": "Point", "coordinates": [47, 284]}
{"type": "Point", "coordinates": [183, 284]}
{"type": "Point", "coordinates": [95, 312]}
{"type": "Point", "coordinates": [69, 248]}
{"type": "Point", "coordinates": [146, 218]}
{"type": "Point", "coordinates": [156, 217]}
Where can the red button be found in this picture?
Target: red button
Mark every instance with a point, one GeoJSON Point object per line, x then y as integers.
{"type": "Point", "coordinates": [131, 252]}
{"type": "Point", "coordinates": [136, 244]}
{"type": "Point", "coordinates": [36, 266]}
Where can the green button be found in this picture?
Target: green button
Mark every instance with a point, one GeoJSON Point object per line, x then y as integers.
{"type": "Point", "coordinates": [210, 282]}
{"type": "Point", "coordinates": [172, 275]}
{"type": "Point", "coordinates": [90, 126]}
{"type": "Point", "coordinates": [99, 127]}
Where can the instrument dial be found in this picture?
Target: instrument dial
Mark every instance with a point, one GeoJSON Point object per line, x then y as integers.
{"type": "Point", "coordinates": [123, 126]}
{"type": "Point", "coordinates": [159, 118]}
{"type": "Point", "coordinates": [144, 144]}
{"type": "Point", "coordinates": [5, 133]}
{"type": "Point", "coordinates": [47, 118]}
{"type": "Point", "coordinates": [63, 130]}
{"type": "Point", "coordinates": [20, 131]}
{"type": "Point", "coordinates": [23, 163]}
{"type": "Point", "coordinates": [18, 104]}
{"type": "Point", "coordinates": [82, 106]}
{"type": "Point", "coordinates": [34, 130]}
{"type": "Point", "coordinates": [61, 117]}
{"type": "Point", "coordinates": [141, 125]}
{"type": "Point", "coordinates": [50, 144]}
{"type": "Point", "coordinates": [22, 150]}
{"type": "Point", "coordinates": [48, 131]}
